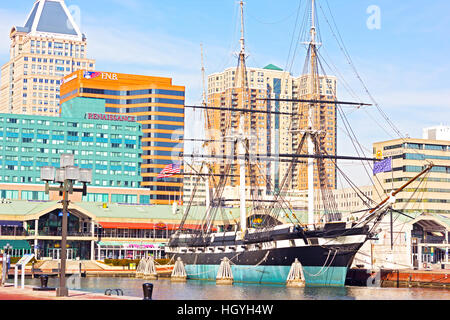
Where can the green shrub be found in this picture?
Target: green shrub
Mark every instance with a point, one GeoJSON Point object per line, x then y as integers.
{"type": "Point", "coordinates": [121, 262]}
{"type": "Point", "coordinates": [162, 261]}
{"type": "Point", "coordinates": [14, 260]}
{"type": "Point", "coordinates": [127, 262]}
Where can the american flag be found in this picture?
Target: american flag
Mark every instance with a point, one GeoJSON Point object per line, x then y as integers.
{"type": "Point", "coordinates": [382, 166]}
{"type": "Point", "coordinates": [91, 74]}
{"type": "Point", "coordinates": [169, 170]}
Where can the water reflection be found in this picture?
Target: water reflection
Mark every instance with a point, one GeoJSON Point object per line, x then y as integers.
{"type": "Point", "coordinates": [164, 289]}
{"type": "Point", "coordinates": [328, 293]}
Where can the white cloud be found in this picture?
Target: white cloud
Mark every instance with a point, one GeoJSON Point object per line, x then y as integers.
{"type": "Point", "coordinates": [133, 47]}
{"type": "Point", "coordinates": [151, 53]}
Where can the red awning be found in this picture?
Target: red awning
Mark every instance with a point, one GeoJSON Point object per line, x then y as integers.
{"type": "Point", "coordinates": [126, 225]}
{"type": "Point", "coordinates": [151, 226]}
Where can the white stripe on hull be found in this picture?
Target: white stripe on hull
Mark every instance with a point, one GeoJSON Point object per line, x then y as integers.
{"type": "Point", "coordinates": [343, 240]}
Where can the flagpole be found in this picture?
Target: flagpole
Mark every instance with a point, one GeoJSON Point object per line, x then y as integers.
{"type": "Point", "coordinates": [169, 171]}
{"type": "Point", "coordinates": [394, 193]}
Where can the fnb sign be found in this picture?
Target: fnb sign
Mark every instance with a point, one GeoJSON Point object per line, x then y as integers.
{"type": "Point", "coordinates": [110, 117]}
{"type": "Point", "coordinates": [109, 76]}
{"type": "Point", "coordinates": [103, 75]}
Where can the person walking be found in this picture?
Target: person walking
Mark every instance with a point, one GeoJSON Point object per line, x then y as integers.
{"type": "Point", "coordinates": [8, 262]}
{"type": "Point", "coordinates": [2, 278]}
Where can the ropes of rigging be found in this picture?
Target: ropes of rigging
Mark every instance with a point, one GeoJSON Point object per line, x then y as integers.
{"type": "Point", "coordinates": [275, 213]}
{"type": "Point", "coordinates": [354, 139]}
{"type": "Point", "coordinates": [342, 47]}
{"type": "Point", "coordinates": [424, 179]}
{"type": "Point", "coordinates": [349, 132]}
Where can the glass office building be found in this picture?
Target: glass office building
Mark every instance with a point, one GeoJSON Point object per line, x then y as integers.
{"type": "Point", "coordinates": [157, 105]}
{"type": "Point", "coordinates": [110, 147]}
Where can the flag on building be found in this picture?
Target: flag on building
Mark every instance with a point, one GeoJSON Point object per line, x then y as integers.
{"type": "Point", "coordinates": [169, 171]}
{"type": "Point", "coordinates": [91, 74]}
{"type": "Point", "coordinates": [382, 166]}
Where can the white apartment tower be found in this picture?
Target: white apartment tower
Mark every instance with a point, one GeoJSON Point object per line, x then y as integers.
{"type": "Point", "coordinates": [270, 130]}
{"type": "Point", "coordinates": [437, 133]}
{"type": "Point", "coordinates": [47, 48]}
{"type": "Point", "coordinates": [275, 132]}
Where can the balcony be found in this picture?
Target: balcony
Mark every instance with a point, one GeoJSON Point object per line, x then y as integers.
{"type": "Point", "coordinates": [433, 240]}
{"type": "Point", "coordinates": [16, 233]}
{"type": "Point", "coordinates": [69, 234]}
{"type": "Point", "coordinates": [133, 234]}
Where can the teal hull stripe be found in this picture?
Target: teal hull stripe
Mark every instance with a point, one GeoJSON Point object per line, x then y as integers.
{"type": "Point", "coordinates": [330, 277]}
{"type": "Point", "coordinates": [314, 276]}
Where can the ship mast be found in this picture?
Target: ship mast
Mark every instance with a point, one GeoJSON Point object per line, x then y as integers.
{"type": "Point", "coordinates": [310, 132]}
{"type": "Point", "coordinates": [204, 104]}
{"type": "Point", "coordinates": [203, 78]}
{"type": "Point", "coordinates": [242, 140]}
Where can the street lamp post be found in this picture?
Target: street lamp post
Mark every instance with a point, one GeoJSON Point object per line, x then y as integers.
{"type": "Point", "coordinates": [66, 176]}
{"type": "Point", "coordinates": [5, 270]}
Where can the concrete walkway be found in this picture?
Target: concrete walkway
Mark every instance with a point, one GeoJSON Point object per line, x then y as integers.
{"type": "Point", "coordinates": [91, 267]}
{"type": "Point", "coordinates": [8, 292]}
{"type": "Point", "coordinates": [71, 266]}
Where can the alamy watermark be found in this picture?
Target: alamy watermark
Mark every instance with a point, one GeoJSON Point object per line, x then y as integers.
{"type": "Point", "coordinates": [374, 20]}
{"type": "Point", "coordinates": [75, 12]}
{"type": "Point", "coordinates": [374, 279]}
{"type": "Point", "coordinates": [74, 282]}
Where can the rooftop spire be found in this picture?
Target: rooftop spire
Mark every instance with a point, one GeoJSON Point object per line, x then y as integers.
{"type": "Point", "coordinates": [242, 29]}
{"type": "Point", "coordinates": [313, 22]}
{"type": "Point", "coordinates": [203, 78]}
{"type": "Point", "coordinates": [242, 69]}
{"type": "Point", "coordinates": [51, 17]}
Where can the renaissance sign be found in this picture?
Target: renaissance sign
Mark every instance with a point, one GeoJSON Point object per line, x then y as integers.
{"type": "Point", "coordinates": [65, 80]}
{"type": "Point", "coordinates": [110, 117]}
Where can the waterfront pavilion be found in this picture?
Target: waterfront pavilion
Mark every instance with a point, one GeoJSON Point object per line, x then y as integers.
{"type": "Point", "coordinates": [430, 242]}
{"type": "Point", "coordinates": [95, 230]}
{"type": "Point", "coordinates": [420, 241]}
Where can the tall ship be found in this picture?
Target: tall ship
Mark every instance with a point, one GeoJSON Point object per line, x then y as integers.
{"type": "Point", "coordinates": [264, 252]}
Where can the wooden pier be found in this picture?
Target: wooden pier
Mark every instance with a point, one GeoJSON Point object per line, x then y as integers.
{"type": "Point", "coordinates": [400, 278]}
{"type": "Point", "coordinates": [163, 271]}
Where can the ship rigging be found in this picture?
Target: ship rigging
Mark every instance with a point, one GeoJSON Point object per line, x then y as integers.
{"type": "Point", "coordinates": [325, 246]}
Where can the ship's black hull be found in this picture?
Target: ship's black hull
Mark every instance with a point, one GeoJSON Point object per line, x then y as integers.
{"type": "Point", "coordinates": [324, 256]}
{"type": "Point", "coordinates": [338, 256]}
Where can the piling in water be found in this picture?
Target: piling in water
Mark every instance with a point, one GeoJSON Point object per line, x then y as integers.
{"type": "Point", "coordinates": [178, 273]}
{"type": "Point", "coordinates": [141, 268]}
{"type": "Point", "coordinates": [224, 275]}
{"type": "Point", "coordinates": [150, 269]}
{"type": "Point", "coordinates": [296, 278]}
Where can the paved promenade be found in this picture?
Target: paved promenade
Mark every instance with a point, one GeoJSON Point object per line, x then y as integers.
{"type": "Point", "coordinates": [90, 268]}
{"type": "Point", "coordinates": [8, 292]}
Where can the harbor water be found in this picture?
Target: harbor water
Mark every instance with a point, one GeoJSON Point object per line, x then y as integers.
{"type": "Point", "coordinates": [164, 289]}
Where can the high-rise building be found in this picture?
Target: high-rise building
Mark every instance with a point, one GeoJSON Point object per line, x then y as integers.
{"type": "Point", "coordinates": [431, 193]}
{"type": "Point", "coordinates": [437, 133]}
{"type": "Point", "coordinates": [267, 135]}
{"type": "Point", "coordinates": [157, 104]}
{"type": "Point", "coordinates": [29, 142]}
{"type": "Point", "coordinates": [46, 48]}
{"type": "Point", "coordinates": [274, 133]}
{"type": "Point", "coordinates": [194, 185]}
{"type": "Point", "coordinates": [110, 147]}
{"type": "Point", "coordinates": [323, 120]}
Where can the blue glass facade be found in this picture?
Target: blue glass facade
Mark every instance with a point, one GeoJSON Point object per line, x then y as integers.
{"type": "Point", "coordinates": [112, 149]}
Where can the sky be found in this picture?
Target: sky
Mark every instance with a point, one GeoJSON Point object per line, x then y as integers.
{"type": "Point", "coordinates": [399, 50]}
